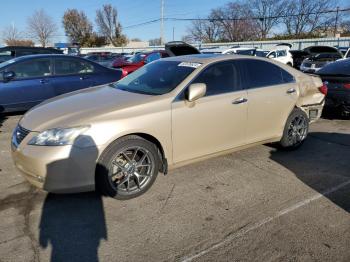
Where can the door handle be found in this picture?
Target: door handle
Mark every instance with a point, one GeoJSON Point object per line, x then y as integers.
{"type": "Point", "coordinates": [239, 101]}
{"type": "Point", "coordinates": [44, 81]}
{"type": "Point", "coordinates": [84, 77]}
{"type": "Point", "coordinates": [291, 91]}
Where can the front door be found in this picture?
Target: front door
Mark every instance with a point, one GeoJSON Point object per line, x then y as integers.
{"type": "Point", "coordinates": [32, 84]}
{"type": "Point", "coordinates": [213, 123]}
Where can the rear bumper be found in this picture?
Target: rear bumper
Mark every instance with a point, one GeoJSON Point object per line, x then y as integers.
{"type": "Point", "coordinates": [338, 98]}
{"type": "Point", "coordinates": [314, 111]}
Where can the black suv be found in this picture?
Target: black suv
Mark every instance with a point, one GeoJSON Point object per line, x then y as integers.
{"type": "Point", "coordinates": [9, 52]}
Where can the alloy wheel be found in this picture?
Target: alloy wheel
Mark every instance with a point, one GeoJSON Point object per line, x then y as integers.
{"type": "Point", "coordinates": [131, 170]}
{"type": "Point", "coordinates": [297, 130]}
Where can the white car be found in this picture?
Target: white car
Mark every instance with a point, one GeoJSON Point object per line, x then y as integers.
{"type": "Point", "coordinates": [281, 53]}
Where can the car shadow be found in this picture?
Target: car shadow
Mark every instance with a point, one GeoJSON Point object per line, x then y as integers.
{"type": "Point", "coordinates": [2, 120]}
{"type": "Point", "coordinates": [73, 224]}
{"type": "Point", "coordinates": [322, 163]}
{"type": "Point", "coordinates": [333, 114]}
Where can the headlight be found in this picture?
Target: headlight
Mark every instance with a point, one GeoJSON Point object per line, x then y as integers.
{"type": "Point", "coordinates": [57, 136]}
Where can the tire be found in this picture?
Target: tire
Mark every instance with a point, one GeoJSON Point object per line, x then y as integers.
{"type": "Point", "coordinates": [127, 168]}
{"type": "Point", "coordinates": [295, 130]}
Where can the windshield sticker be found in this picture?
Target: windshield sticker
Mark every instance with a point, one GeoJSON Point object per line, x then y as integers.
{"type": "Point", "coordinates": [189, 64]}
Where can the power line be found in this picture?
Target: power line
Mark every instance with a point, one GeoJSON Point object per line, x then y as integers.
{"type": "Point", "coordinates": [237, 19]}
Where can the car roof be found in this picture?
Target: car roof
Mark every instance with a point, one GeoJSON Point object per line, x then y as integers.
{"type": "Point", "coordinates": [28, 57]}
{"type": "Point", "coordinates": [208, 58]}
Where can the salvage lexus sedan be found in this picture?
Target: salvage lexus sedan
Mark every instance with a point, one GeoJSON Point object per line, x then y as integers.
{"type": "Point", "coordinates": [174, 111]}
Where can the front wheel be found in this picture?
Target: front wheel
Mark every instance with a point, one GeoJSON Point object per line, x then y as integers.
{"type": "Point", "coordinates": [127, 168]}
{"type": "Point", "coordinates": [295, 130]}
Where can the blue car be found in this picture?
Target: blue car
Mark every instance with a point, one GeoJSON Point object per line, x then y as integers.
{"type": "Point", "coordinates": [27, 81]}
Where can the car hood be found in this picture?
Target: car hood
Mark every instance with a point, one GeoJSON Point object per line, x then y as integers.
{"type": "Point", "coordinates": [80, 107]}
{"type": "Point", "coordinates": [321, 58]}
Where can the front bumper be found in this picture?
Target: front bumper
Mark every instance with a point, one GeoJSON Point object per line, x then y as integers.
{"type": "Point", "coordinates": [57, 169]}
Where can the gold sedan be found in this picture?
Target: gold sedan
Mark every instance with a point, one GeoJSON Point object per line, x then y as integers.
{"type": "Point", "coordinates": [171, 112]}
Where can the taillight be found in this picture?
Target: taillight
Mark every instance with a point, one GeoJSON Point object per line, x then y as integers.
{"type": "Point", "coordinates": [347, 86]}
{"type": "Point", "coordinates": [323, 89]}
{"type": "Point", "coordinates": [124, 73]}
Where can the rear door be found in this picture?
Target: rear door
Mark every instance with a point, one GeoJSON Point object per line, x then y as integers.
{"type": "Point", "coordinates": [31, 85]}
{"type": "Point", "coordinates": [272, 94]}
{"type": "Point", "coordinates": [72, 74]}
{"type": "Point", "coordinates": [215, 122]}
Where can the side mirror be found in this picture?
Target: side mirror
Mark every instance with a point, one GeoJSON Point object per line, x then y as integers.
{"type": "Point", "coordinates": [8, 76]}
{"type": "Point", "coordinates": [196, 91]}
{"type": "Point", "coordinates": [271, 56]}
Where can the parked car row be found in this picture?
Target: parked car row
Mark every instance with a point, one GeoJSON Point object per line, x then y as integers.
{"type": "Point", "coordinates": [29, 80]}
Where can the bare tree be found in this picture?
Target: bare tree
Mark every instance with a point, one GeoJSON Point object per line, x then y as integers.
{"type": "Point", "coordinates": [108, 25]}
{"type": "Point", "coordinates": [10, 34]}
{"type": "Point", "coordinates": [235, 22]}
{"type": "Point", "coordinates": [205, 31]}
{"type": "Point", "coordinates": [268, 13]}
{"type": "Point", "coordinates": [77, 26]}
{"type": "Point", "coordinates": [303, 17]}
{"type": "Point", "coordinates": [154, 42]}
{"type": "Point", "coordinates": [41, 27]}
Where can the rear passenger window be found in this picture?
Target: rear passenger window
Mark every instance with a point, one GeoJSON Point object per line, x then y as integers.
{"type": "Point", "coordinates": [287, 78]}
{"type": "Point", "coordinates": [219, 78]}
{"type": "Point", "coordinates": [31, 68]}
{"type": "Point", "coordinates": [260, 73]}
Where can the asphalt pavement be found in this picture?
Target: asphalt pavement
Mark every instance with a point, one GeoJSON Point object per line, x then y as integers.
{"type": "Point", "coordinates": [259, 204]}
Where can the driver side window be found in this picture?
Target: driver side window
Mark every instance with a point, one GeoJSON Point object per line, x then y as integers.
{"type": "Point", "coordinates": [31, 68]}
{"type": "Point", "coordinates": [219, 78]}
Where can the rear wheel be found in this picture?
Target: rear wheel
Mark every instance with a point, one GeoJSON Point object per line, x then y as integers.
{"type": "Point", "coordinates": [295, 130]}
{"type": "Point", "coordinates": [127, 168]}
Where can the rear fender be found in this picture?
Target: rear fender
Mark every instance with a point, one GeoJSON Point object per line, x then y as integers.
{"type": "Point", "coordinates": [310, 100]}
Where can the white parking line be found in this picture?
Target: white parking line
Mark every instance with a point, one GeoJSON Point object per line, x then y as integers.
{"type": "Point", "coordinates": [266, 220]}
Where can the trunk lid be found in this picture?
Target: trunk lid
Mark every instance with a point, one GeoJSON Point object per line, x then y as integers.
{"type": "Point", "coordinates": [178, 48]}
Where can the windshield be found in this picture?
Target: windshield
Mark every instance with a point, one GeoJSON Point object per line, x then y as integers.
{"type": "Point", "coordinates": [156, 78]}
{"type": "Point", "coordinates": [3, 64]}
{"type": "Point", "coordinates": [136, 58]}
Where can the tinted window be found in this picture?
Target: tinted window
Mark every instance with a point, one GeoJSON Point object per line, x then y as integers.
{"type": "Point", "coordinates": [219, 78]}
{"type": "Point", "coordinates": [340, 67]}
{"type": "Point", "coordinates": [261, 73]}
{"type": "Point", "coordinates": [31, 68]}
{"type": "Point", "coordinates": [287, 78]}
{"type": "Point", "coordinates": [67, 66]}
{"type": "Point", "coordinates": [156, 78]}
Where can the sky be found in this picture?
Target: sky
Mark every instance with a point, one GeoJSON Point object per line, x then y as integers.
{"type": "Point", "coordinates": [130, 12]}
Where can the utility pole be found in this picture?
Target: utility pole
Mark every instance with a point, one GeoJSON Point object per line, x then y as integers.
{"type": "Point", "coordinates": [161, 22]}
{"type": "Point", "coordinates": [173, 33]}
{"type": "Point", "coordinates": [336, 22]}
